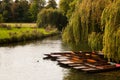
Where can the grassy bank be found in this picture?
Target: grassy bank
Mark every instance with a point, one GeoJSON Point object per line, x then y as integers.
{"type": "Point", "coordinates": [18, 34]}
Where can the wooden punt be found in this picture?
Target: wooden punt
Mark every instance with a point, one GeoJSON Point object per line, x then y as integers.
{"type": "Point", "coordinates": [54, 56]}
{"type": "Point", "coordinates": [57, 54]}
{"type": "Point", "coordinates": [85, 61]}
{"type": "Point", "coordinates": [96, 70]}
{"type": "Point", "coordinates": [71, 53]}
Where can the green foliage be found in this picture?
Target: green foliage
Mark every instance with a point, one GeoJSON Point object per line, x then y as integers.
{"type": "Point", "coordinates": [51, 4]}
{"type": "Point", "coordinates": [97, 23]}
{"type": "Point", "coordinates": [67, 7]}
{"type": "Point", "coordinates": [72, 6]}
{"type": "Point", "coordinates": [1, 18]}
{"type": "Point", "coordinates": [111, 25]}
{"type": "Point", "coordinates": [85, 20]}
{"type": "Point", "coordinates": [34, 9]}
{"type": "Point", "coordinates": [64, 6]}
{"type": "Point", "coordinates": [67, 35]}
{"type": "Point", "coordinates": [5, 10]}
{"type": "Point", "coordinates": [51, 18]}
{"type": "Point", "coordinates": [95, 41]}
{"type": "Point", "coordinates": [20, 10]}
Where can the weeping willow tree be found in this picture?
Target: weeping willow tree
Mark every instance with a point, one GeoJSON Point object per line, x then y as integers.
{"type": "Point", "coordinates": [110, 21]}
{"type": "Point", "coordinates": [85, 20]}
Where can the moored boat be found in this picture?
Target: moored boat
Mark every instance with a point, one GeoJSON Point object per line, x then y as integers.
{"type": "Point", "coordinates": [84, 61]}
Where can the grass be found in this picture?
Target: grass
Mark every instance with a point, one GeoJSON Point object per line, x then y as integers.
{"type": "Point", "coordinates": [9, 34]}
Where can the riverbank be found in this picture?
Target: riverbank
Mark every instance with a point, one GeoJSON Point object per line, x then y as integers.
{"type": "Point", "coordinates": [18, 34]}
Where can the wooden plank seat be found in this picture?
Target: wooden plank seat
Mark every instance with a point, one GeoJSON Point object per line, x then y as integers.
{"type": "Point", "coordinates": [81, 67]}
{"type": "Point", "coordinates": [90, 65]}
{"type": "Point", "coordinates": [62, 59]}
{"type": "Point", "coordinates": [66, 62]}
{"type": "Point", "coordinates": [75, 64]}
{"type": "Point", "coordinates": [55, 55]}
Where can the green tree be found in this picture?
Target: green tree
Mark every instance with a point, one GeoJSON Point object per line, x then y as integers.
{"type": "Point", "coordinates": [23, 11]}
{"type": "Point", "coordinates": [20, 11]}
{"type": "Point", "coordinates": [5, 10]}
{"type": "Point", "coordinates": [52, 18]}
{"type": "Point", "coordinates": [67, 7]}
{"type": "Point", "coordinates": [35, 7]}
{"type": "Point", "coordinates": [97, 23]}
{"type": "Point", "coordinates": [85, 19]}
{"type": "Point", "coordinates": [14, 10]}
{"type": "Point", "coordinates": [52, 4]}
{"type": "Point", "coordinates": [111, 26]}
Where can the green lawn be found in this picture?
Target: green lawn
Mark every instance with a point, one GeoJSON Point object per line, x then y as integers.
{"type": "Point", "coordinates": [16, 34]}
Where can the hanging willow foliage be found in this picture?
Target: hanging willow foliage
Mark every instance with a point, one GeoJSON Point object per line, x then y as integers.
{"type": "Point", "coordinates": [111, 24]}
{"type": "Point", "coordinates": [85, 20]}
{"type": "Point", "coordinates": [95, 41]}
{"type": "Point", "coordinates": [67, 35]}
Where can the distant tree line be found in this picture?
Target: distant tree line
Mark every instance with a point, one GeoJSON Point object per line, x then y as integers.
{"type": "Point", "coordinates": [23, 10]}
{"type": "Point", "coordinates": [27, 11]}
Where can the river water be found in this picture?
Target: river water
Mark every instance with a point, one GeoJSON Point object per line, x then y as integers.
{"type": "Point", "coordinates": [25, 62]}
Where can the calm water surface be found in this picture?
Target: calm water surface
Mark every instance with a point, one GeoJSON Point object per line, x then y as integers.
{"type": "Point", "coordinates": [25, 62]}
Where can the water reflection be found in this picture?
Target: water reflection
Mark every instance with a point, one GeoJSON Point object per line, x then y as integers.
{"type": "Point", "coordinates": [79, 46]}
{"type": "Point", "coordinates": [58, 37]}
{"type": "Point", "coordinates": [77, 75]}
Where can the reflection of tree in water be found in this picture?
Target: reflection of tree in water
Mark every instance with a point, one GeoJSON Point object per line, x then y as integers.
{"type": "Point", "coordinates": [79, 47]}
{"type": "Point", "coordinates": [78, 75]}
{"type": "Point", "coordinates": [35, 42]}
{"type": "Point", "coordinates": [65, 47]}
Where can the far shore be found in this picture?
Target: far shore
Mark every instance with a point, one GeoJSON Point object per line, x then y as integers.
{"type": "Point", "coordinates": [13, 32]}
